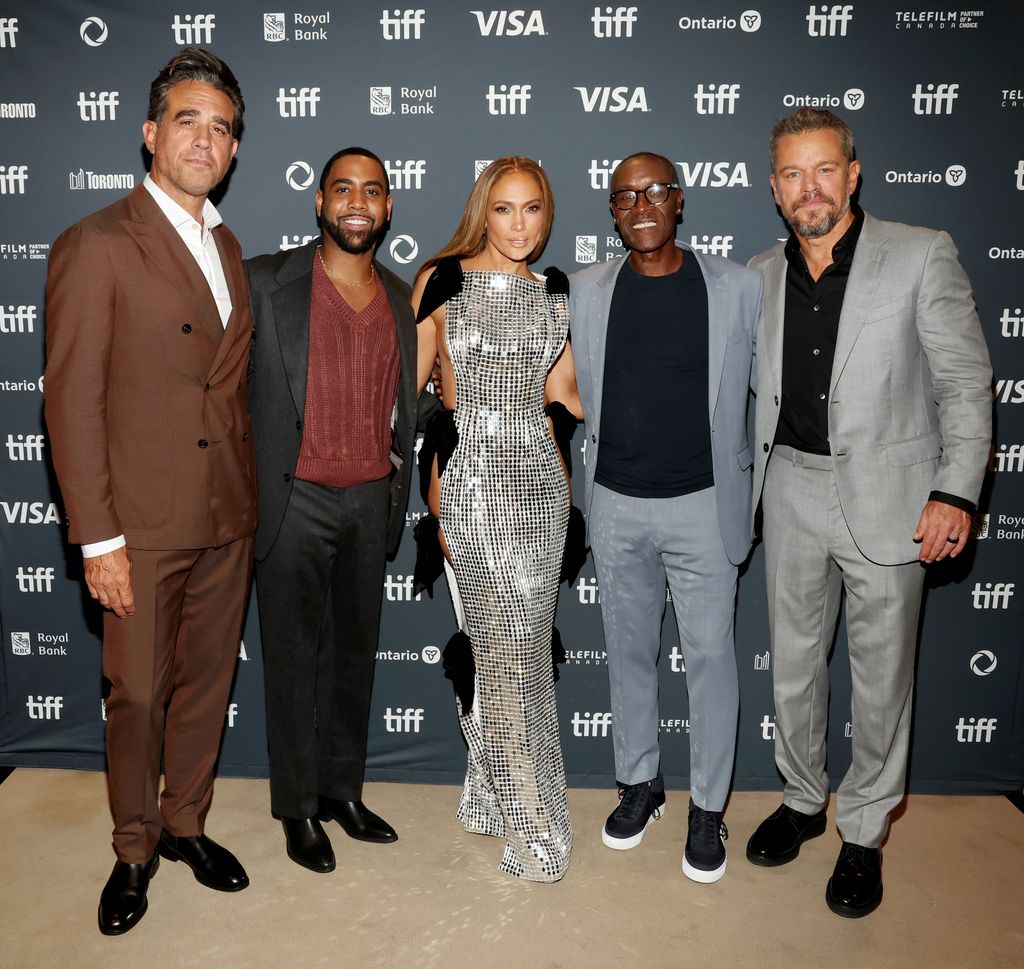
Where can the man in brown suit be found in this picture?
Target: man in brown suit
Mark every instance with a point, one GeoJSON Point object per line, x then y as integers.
{"type": "Point", "coordinates": [147, 338]}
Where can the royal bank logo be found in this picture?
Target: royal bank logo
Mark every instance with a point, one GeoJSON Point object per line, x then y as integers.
{"type": "Point", "coordinates": [676, 660]}
{"type": "Point", "coordinates": [299, 176]}
{"type": "Point", "coordinates": [403, 721]}
{"type": "Point", "coordinates": [25, 447]}
{"type": "Point", "coordinates": [93, 31]}
{"type": "Point", "coordinates": [193, 29]}
{"type": "Point", "coordinates": [99, 181]}
{"type": "Point", "coordinates": [614, 21]}
{"type": "Point", "coordinates": [992, 595]}
{"type": "Point", "coordinates": [52, 644]}
{"type": "Point", "coordinates": [294, 241]}
{"type": "Point", "coordinates": [505, 99]}
{"type": "Point", "coordinates": [980, 523]}
{"type": "Point", "coordinates": [852, 99]}
{"type": "Point", "coordinates": [824, 20]}
{"type": "Point", "coordinates": [1007, 457]}
{"type": "Point", "coordinates": [21, 644]}
{"type": "Point", "coordinates": [399, 588]}
{"type": "Point", "coordinates": [298, 102]}
{"type": "Point", "coordinates": [1006, 527]}
{"type": "Point", "coordinates": [17, 109]}
{"type": "Point", "coordinates": [934, 98]}
{"type": "Point", "coordinates": [749, 22]}
{"type": "Point", "coordinates": [983, 662]}
{"type": "Point", "coordinates": [767, 728]}
{"type": "Point", "coordinates": [586, 250]}
{"type": "Point", "coordinates": [479, 165]}
{"type": "Point", "coordinates": [404, 175]}
{"type": "Point", "coordinates": [275, 28]}
{"type": "Point", "coordinates": [717, 98]}
{"type": "Point", "coordinates": [509, 23]}
{"type": "Point", "coordinates": [98, 105]}
{"type": "Point", "coordinates": [20, 318]}
{"type": "Point", "coordinates": [713, 174]}
{"type": "Point", "coordinates": [590, 724]}
{"type": "Point", "coordinates": [975, 730]}
{"type": "Point", "coordinates": [13, 179]}
{"type": "Point", "coordinates": [410, 100]}
{"type": "Point", "coordinates": [380, 100]}
{"type": "Point", "coordinates": [954, 176]}
{"type": "Point", "coordinates": [588, 591]}
{"type": "Point", "coordinates": [763, 661]}
{"type": "Point", "coordinates": [44, 707]}
{"type": "Point", "coordinates": [932, 19]}
{"type": "Point", "coordinates": [402, 24]}
{"type": "Point", "coordinates": [404, 249]}
{"type": "Point", "coordinates": [613, 99]}
{"type": "Point", "coordinates": [712, 245]}
{"type": "Point", "coordinates": [1009, 391]}
{"type": "Point", "coordinates": [8, 32]}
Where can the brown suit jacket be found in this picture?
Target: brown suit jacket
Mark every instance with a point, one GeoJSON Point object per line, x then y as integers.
{"type": "Point", "coordinates": [145, 390]}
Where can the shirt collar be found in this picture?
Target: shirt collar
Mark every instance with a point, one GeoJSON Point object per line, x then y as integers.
{"type": "Point", "coordinates": [176, 215]}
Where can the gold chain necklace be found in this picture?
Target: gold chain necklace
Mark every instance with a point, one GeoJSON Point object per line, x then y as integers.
{"type": "Point", "coordinates": [338, 279]}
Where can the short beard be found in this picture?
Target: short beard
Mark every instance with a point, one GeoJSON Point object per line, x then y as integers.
{"type": "Point", "coordinates": [355, 243]}
{"type": "Point", "coordinates": [821, 229]}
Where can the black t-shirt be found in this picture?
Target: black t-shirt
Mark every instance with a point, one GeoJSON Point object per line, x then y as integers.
{"type": "Point", "coordinates": [655, 430]}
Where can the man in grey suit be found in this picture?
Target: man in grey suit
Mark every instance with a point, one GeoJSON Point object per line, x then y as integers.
{"type": "Point", "coordinates": [663, 342]}
{"type": "Point", "coordinates": [332, 391]}
{"type": "Point", "coordinates": [873, 424]}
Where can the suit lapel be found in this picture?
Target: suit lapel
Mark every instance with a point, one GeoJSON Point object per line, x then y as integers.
{"type": "Point", "coordinates": [719, 316]}
{"type": "Point", "coordinates": [234, 275]}
{"type": "Point", "coordinates": [292, 304]}
{"type": "Point", "coordinates": [774, 315]}
{"type": "Point", "coordinates": [597, 312]}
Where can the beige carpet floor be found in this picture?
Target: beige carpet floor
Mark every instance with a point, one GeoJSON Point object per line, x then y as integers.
{"type": "Point", "coordinates": [954, 892]}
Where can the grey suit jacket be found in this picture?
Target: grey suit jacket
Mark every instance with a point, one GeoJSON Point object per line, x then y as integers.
{"type": "Point", "coordinates": [281, 288]}
{"type": "Point", "coordinates": [734, 305]}
{"type": "Point", "coordinates": [910, 401]}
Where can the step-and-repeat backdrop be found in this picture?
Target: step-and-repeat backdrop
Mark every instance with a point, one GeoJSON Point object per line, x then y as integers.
{"type": "Point", "coordinates": [934, 93]}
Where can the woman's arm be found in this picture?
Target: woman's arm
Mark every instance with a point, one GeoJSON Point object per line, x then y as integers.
{"type": "Point", "coordinates": [561, 384]}
{"type": "Point", "coordinates": [426, 334]}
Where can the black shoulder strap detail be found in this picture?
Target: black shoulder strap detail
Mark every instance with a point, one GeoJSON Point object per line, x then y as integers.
{"type": "Point", "coordinates": [444, 283]}
{"type": "Point", "coordinates": [557, 281]}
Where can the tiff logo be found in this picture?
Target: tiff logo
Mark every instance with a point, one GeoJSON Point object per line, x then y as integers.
{"type": "Point", "coordinates": [712, 245]}
{"type": "Point", "coordinates": [25, 447]}
{"type": "Point", "coordinates": [992, 596]}
{"type": "Point", "coordinates": [676, 662]}
{"type": "Point", "coordinates": [718, 99]}
{"type": "Point", "coordinates": [1011, 324]}
{"type": "Point", "coordinates": [294, 242]}
{"type": "Point", "coordinates": [37, 579]}
{"type": "Point", "coordinates": [508, 98]}
{"type": "Point", "coordinates": [935, 98]}
{"type": "Point", "coordinates": [509, 23]}
{"type": "Point", "coordinates": [601, 174]}
{"type": "Point", "coordinates": [8, 28]}
{"type": "Point", "coordinates": [763, 661]}
{"type": "Point", "coordinates": [98, 107]}
{"type": "Point", "coordinates": [45, 707]}
{"type": "Point", "coordinates": [403, 721]}
{"type": "Point", "coordinates": [591, 724]}
{"type": "Point", "coordinates": [13, 179]}
{"type": "Point", "coordinates": [831, 21]}
{"type": "Point", "coordinates": [17, 319]}
{"type": "Point", "coordinates": [1009, 457]}
{"type": "Point", "coordinates": [298, 102]}
{"type": "Point", "coordinates": [232, 712]}
{"type": "Point", "coordinates": [767, 728]}
{"type": "Point", "coordinates": [614, 22]}
{"type": "Point", "coordinates": [402, 24]}
{"type": "Point", "coordinates": [407, 174]}
{"type": "Point", "coordinates": [588, 591]}
{"type": "Point", "coordinates": [398, 588]}
{"type": "Point", "coordinates": [1019, 172]}
{"type": "Point", "coordinates": [193, 30]}
{"type": "Point", "coordinates": [975, 730]}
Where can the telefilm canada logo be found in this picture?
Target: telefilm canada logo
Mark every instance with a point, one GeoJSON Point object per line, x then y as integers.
{"type": "Point", "coordinates": [15, 251]}
{"type": "Point", "coordinates": [938, 19]}
{"type": "Point", "coordinates": [749, 22]}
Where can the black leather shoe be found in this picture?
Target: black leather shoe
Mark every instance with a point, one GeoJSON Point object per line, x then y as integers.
{"type": "Point", "coordinates": [855, 888]}
{"type": "Point", "coordinates": [357, 820]}
{"type": "Point", "coordinates": [308, 845]}
{"type": "Point", "coordinates": [123, 901]}
{"type": "Point", "coordinates": [778, 837]}
{"type": "Point", "coordinates": [214, 866]}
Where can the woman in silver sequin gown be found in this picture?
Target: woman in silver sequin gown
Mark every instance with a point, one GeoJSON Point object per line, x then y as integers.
{"type": "Point", "coordinates": [504, 503]}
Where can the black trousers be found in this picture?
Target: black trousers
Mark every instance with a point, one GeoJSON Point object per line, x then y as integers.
{"type": "Point", "coordinates": [319, 592]}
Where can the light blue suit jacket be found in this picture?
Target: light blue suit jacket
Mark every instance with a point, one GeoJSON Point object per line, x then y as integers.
{"type": "Point", "coordinates": [734, 308]}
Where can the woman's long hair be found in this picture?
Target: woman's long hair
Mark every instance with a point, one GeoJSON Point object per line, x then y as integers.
{"type": "Point", "coordinates": [471, 235]}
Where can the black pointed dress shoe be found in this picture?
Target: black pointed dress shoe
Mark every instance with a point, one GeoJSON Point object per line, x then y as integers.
{"type": "Point", "coordinates": [778, 837]}
{"type": "Point", "coordinates": [855, 888]}
{"type": "Point", "coordinates": [214, 866]}
{"type": "Point", "coordinates": [123, 901]}
{"type": "Point", "coordinates": [357, 820]}
{"type": "Point", "coordinates": [308, 845]}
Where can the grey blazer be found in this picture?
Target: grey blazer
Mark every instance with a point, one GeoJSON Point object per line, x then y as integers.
{"type": "Point", "coordinates": [734, 305]}
{"type": "Point", "coordinates": [910, 401]}
{"type": "Point", "coordinates": [281, 289]}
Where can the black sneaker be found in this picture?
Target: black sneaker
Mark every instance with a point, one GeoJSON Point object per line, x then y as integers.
{"type": "Point", "coordinates": [639, 805]}
{"type": "Point", "coordinates": [704, 857]}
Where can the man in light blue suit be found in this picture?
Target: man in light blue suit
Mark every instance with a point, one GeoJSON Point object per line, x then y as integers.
{"type": "Point", "coordinates": [663, 342]}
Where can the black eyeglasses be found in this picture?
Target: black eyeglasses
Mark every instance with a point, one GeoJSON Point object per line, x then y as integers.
{"type": "Point", "coordinates": [656, 193]}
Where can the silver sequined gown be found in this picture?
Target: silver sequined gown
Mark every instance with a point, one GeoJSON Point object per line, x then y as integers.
{"type": "Point", "coordinates": [504, 509]}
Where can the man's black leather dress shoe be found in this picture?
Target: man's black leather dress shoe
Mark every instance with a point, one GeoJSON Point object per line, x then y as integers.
{"type": "Point", "coordinates": [308, 845]}
{"type": "Point", "coordinates": [778, 837]}
{"type": "Point", "coordinates": [214, 866]}
{"type": "Point", "coordinates": [855, 888]}
{"type": "Point", "coordinates": [123, 901]}
{"type": "Point", "coordinates": [358, 821]}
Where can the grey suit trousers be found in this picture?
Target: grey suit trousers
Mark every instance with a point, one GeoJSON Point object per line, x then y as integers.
{"type": "Point", "coordinates": [810, 558]}
{"type": "Point", "coordinates": [638, 543]}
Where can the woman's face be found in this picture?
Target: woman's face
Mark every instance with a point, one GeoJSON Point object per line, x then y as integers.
{"type": "Point", "coordinates": [515, 216]}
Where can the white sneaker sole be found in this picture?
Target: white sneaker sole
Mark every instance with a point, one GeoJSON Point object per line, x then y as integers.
{"type": "Point", "coordinates": [702, 876]}
{"type": "Point", "coordinates": [624, 844]}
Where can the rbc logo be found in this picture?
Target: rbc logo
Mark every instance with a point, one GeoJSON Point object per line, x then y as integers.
{"type": "Point", "coordinates": [274, 30]}
{"type": "Point", "coordinates": [586, 250]}
{"type": "Point", "coordinates": [193, 30]}
{"type": "Point", "coordinates": [380, 100]}
{"type": "Point", "coordinates": [21, 644]}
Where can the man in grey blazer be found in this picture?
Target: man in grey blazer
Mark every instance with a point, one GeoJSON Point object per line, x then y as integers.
{"type": "Point", "coordinates": [333, 400]}
{"type": "Point", "coordinates": [873, 424]}
{"type": "Point", "coordinates": [663, 342]}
